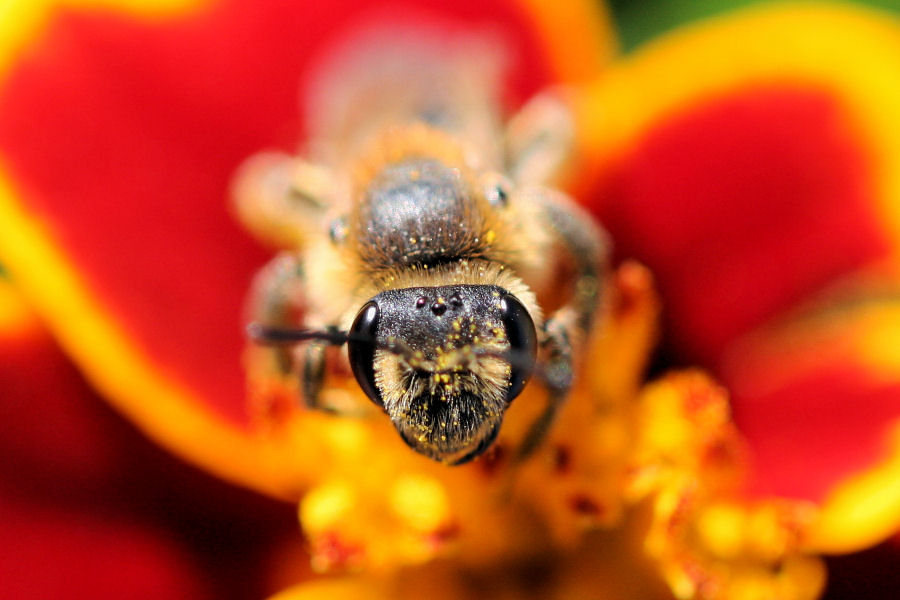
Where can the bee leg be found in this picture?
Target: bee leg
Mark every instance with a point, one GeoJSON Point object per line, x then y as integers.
{"type": "Point", "coordinates": [540, 139]}
{"type": "Point", "coordinates": [556, 374]}
{"type": "Point", "coordinates": [567, 329]}
{"type": "Point", "coordinates": [312, 374]}
{"type": "Point", "coordinates": [281, 199]}
{"type": "Point", "coordinates": [276, 297]}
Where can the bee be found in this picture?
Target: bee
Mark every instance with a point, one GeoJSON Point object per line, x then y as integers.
{"type": "Point", "coordinates": [421, 233]}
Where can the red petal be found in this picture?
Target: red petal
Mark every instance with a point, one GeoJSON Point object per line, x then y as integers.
{"type": "Point", "coordinates": [90, 508]}
{"type": "Point", "coordinates": [52, 554]}
{"type": "Point", "coordinates": [124, 136]}
{"type": "Point", "coordinates": [817, 398]}
{"type": "Point", "coordinates": [50, 429]}
{"type": "Point", "coordinates": [742, 206]}
{"type": "Point", "coordinates": [819, 428]}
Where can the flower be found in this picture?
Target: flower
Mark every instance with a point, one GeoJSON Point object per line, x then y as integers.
{"type": "Point", "coordinates": [91, 508]}
{"type": "Point", "coordinates": [749, 162]}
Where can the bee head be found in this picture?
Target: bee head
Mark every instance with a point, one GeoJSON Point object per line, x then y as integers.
{"type": "Point", "coordinates": [444, 363]}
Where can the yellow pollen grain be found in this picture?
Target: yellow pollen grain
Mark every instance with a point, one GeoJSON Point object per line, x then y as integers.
{"type": "Point", "coordinates": [490, 236]}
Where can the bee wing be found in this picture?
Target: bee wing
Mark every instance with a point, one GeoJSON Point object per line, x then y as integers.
{"type": "Point", "coordinates": [396, 75]}
{"type": "Point", "coordinates": [281, 199]}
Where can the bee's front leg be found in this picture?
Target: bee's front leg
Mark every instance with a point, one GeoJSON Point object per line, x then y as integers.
{"type": "Point", "coordinates": [312, 374]}
{"type": "Point", "coordinates": [556, 373]}
{"type": "Point", "coordinates": [278, 300]}
{"type": "Point", "coordinates": [565, 332]}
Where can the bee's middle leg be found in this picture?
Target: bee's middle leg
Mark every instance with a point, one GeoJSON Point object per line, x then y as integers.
{"type": "Point", "coordinates": [569, 327]}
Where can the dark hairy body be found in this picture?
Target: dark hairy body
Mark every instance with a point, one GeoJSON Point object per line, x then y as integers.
{"type": "Point", "coordinates": [424, 246]}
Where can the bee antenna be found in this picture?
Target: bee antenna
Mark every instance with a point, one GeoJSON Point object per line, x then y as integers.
{"type": "Point", "coordinates": [277, 336]}
{"type": "Point", "coordinates": [282, 336]}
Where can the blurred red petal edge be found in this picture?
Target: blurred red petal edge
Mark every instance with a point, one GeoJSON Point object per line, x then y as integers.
{"type": "Point", "coordinates": [818, 429]}
{"type": "Point", "coordinates": [139, 270]}
{"type": "Point", "coordinates": [818, 399]}
{"type": "Point", "coordinates": [90, 507]}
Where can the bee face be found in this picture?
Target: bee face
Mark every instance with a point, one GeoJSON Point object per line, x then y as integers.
{"type": "Point", "coordinates": [444, 363]}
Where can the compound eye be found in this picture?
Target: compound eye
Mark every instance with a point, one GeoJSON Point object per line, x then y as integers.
{"type": "Point", "coordinates": [361, 350]}
{"type": "Point", "coordinates": [522, 342]}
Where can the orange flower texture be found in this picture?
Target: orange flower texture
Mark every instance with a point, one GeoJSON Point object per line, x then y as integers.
{"type": "Point", "coordinates": [459, 300]}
